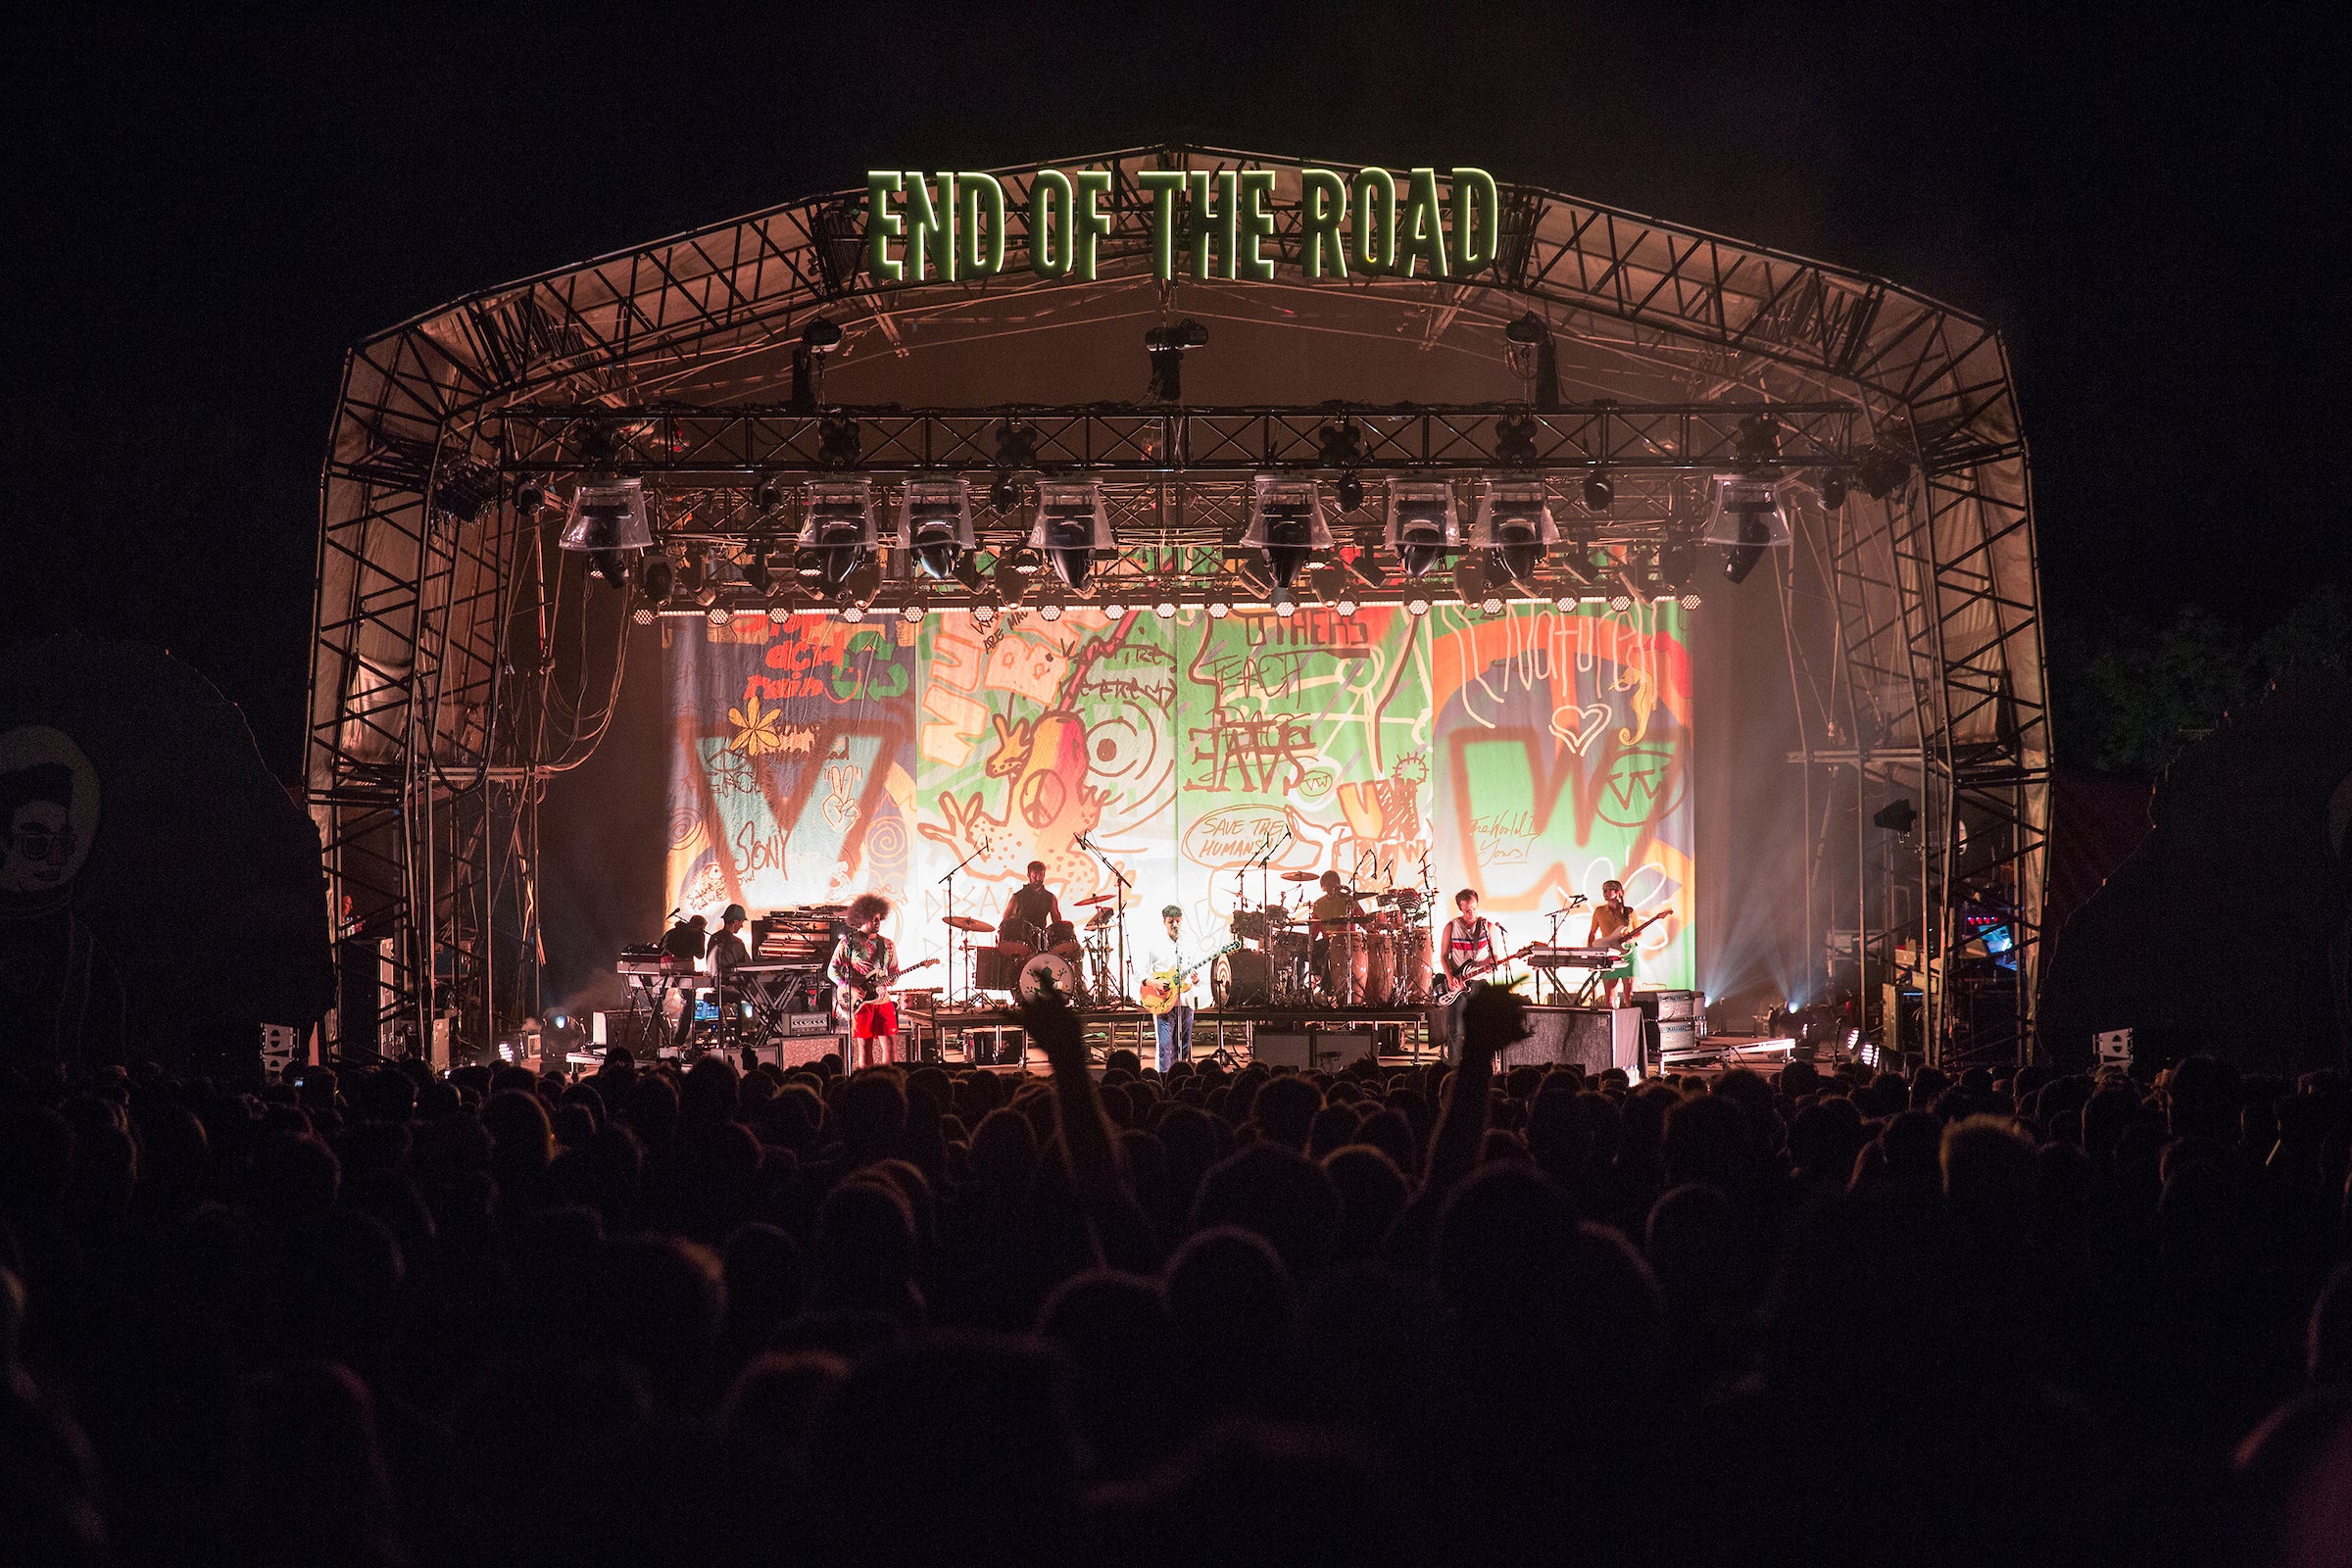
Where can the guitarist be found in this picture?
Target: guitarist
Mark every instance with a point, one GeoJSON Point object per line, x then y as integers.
{"type": "Point", "coordinates": [1465, 947]}
{"type": "Point", "coordinates": [1174, 1027]}
{"type": "Point", "coordinates": [1613, 921]}
{"type": "Point", "coordinates": [862, 968]}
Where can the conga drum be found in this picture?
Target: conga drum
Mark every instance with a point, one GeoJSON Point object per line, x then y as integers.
{"type": "Point", "coordinates": [1347, 965]}
{"type": "Point", "coordinates": [1379, 968]}
{"type": "Point", "coordinates": [1412, 967]}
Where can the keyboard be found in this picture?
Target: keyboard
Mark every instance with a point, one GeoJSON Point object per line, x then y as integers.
{"type": "Point", "coordinates": [1575, 957]}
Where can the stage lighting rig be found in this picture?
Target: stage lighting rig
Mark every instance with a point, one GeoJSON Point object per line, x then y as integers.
{"type": "Point", "coordinates": [1166, 346]}
{"type": "Point", "coordinates": [1880, 471]}
{"type": "Point", "coordinates": [1423, 524]}
{"type": "Point", "coordinates": [1286, 523]}
{"type": "Point", "coordinates": [657, 578]}
{"type": "Point", "coordinates": [820, 340]}
{"type": "Point", "coordinates": [1071, 527]}
{"type": "Point", "coordinates": [1016, 450]}
{"type": "Point", "coordinates": [1515, 526]}
{"type": "Point", "coordinates": [1832, 490]}
{"type": "Point", "coordinates": [1515, 441]}
{"type": "Point", "coordinates": [935, 527]}
{"type": "Point", "coordinates": [837, 532]}
{"type": "Point", "coordinates": [1599, 493]}
{"type": "Point", "coordinates": [1676, 562]}
{"type": "Point", "coordinates": [1469, 582]}
{"type": "Point", "coordinates": [1745, 514]}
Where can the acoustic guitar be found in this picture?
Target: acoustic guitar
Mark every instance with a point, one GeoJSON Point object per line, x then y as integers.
{"type": "Point", "coordinates": [1165, 988]}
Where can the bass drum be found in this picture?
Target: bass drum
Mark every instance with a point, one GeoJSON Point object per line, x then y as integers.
{"type": "Point", "coordinates": [1049, 972]}
{"type": "Point", "coordinates": [1242, 979]}
{"type": "Point", "coordinates": [1379, 968]}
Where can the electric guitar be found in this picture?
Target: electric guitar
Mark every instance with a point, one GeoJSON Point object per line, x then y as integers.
{"type": "Point", "coordinates": [859, 992]}
{"type": "Point", "coordinates": [1625, 937]}
{"type": "Point", "coordinates": [1165, 988]}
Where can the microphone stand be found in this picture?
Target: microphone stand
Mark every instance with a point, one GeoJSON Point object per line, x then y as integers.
{"type": "Point", "coordinates": [1120, 882]}
{"type": "Point", "coordinates": [971, 973]}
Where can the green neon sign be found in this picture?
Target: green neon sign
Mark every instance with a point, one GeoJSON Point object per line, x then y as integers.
{"type": "Point", "coordinates": [1227, 225]}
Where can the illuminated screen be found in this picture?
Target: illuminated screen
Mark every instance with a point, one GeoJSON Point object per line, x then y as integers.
{"type": "Point", "coordinates": [1532, 755]}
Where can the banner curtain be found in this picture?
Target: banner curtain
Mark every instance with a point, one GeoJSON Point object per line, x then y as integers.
{"type": "Point", "coordinates": [1532, 755]}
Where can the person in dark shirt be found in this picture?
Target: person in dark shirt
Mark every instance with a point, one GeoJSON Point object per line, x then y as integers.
{"type": "Point", "coordinates": [1029, 914]}
{"type": "Point", "coordinates": [728, 953]}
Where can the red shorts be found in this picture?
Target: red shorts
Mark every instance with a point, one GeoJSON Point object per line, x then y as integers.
{"type": "Point", "coordinates": [874, 1020]}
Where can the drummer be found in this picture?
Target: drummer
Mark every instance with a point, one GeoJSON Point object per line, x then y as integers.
{"type": "Point", "coordinates": [1333, 911]}
{"type": "Point", "coordinates": [1030, 916]}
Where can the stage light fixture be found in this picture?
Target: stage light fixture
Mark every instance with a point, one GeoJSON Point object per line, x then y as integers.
{"type": "Point", "coordinates": [1281, 602]}
{"type": "Point", "coordinates": [1005, 495]}
{"type": "Point", "coordinates": [984, 613]}
{"type": "Point", "coordinates": [1165, 346]}
{"type": "Point", "coordinates": [1514, 525]}
{"type": "Point", "coordinates": [1423, 525]}
{"type": "Point", "coordinates": [1492, 604]}
{"type": "Point", "coordinates": [1741, 558]}
{"type": "Point", "coordinates": [837, 522]}
{"type": "Point", "coordinates": [1880, 471]}
{"type": "Point", "coordinates": [1010, 581]}
{"type": "Point", "coordinates": [1115, 610]}
{"type": "Point", "coordinates": [911, 611]}
{"type": "Point", "coordinates": [1833, 491]}
{"type": "Point", "coordinates": [1676, 562]}
{"type": "Point", "coordinates": [1071, 527]}
{"type": "Point", "coordinates": [1469, 581]}
{"type": "Point", "coordinates": [1536, 357]}
{"type": "Point", "coordinates": [643, 615]}
{"type": "Point", "coordinates": [1326, 581]}
{"type": "Point", "coordinates": [935, 525]}
{"type": "Point", "coordinates": [1622, 599]}
{"type": "Point", "coordinates": [611, 565]}
{"type": "Point", "coordinates": [1345, 605]}
{"type": "Point", "coordinates": [1286, 525]}
{"type": "Point", "coordinates": [1349, 492]}
{"type": "Point", "coordinates": [767, 493]}
{"type": "Point", "coordinates": [1165, 609]}
{"type": "Point", "coordinates": [1689, 601]}
{"type": "Point", "coordinates": [1599, 493]}
{"type": "Point", "coordinates": [1218, 610]}
{"type": "Point", "coordinates": [608, 514]}
{"type": "Point", "coordinates": [657, 578]}
{"type": "Point", "coordinates": [720, 616]}
{"type": "Point", "coordinates": [1416, 604]}
{"type": "Point", "coordinates": [780, 612]}
{"type": "Point", "coordinates": [531, 496]}
{"type": "Point", "coordinates": [1050, 609]}
{"type": "Point", "coordinates": [853, 613]}
{"type": "Point", "coordinates": [1898, 816]}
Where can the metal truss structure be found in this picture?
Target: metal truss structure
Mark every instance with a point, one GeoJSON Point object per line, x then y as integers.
{"type": "Point", "coordinates": [1918, 663]}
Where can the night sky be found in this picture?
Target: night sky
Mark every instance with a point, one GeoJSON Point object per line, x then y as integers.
{"type": "Point", "coordinates": [201, 217]}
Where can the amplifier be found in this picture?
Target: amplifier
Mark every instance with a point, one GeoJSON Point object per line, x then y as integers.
{"type": "Point", "coordinates": [797, 1024]}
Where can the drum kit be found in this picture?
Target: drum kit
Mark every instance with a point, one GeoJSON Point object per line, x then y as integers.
{"type": "Point", "coordinates": [1375, 958]}
{"type": "Point", "coordinates": [1062, 956]}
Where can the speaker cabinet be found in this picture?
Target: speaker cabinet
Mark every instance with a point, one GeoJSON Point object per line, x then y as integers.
{"type": "Point", "coordinates": [1595, 1039]}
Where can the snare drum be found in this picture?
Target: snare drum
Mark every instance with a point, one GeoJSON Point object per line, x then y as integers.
{"type": "Point", "coordinates": [1242, 979]}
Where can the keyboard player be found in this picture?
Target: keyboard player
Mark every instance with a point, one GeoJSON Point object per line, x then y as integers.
{"type": "Point", "coordinates": [728, 953]}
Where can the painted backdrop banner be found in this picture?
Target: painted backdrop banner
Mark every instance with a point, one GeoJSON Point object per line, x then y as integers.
{"type": "Point", "coordinates": [1532, 755]}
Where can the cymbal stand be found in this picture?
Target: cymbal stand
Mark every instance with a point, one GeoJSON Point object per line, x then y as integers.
{"type": "Point", "coordinates": [971, 979]}
{"type": "Point", "coordinates": [1121, 888]}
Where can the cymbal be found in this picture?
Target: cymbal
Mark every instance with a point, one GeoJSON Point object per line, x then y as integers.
{"type": "Point", "coordinates": [1299, 876]}
{"type": "Point", "coordinates": [965, 922]}
{"type": "Point", "coordinates": [1103, 917]}
{"type": "Point", "coordinates": [1100, 898]}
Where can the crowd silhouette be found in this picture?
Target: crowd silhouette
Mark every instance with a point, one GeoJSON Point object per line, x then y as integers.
{"type": "Point", "coordinates": [1391, 1315]}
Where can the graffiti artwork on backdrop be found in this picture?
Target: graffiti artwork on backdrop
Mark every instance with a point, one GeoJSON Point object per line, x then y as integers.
{"type": "Point", "coordinates": [1037, 734]}
{"type": "Point", "coordinates": [795, 760]}
{"type": "Point", "coordinates": [1316, 724]}
{"type": "Point", "coordinates": [1562, 753]}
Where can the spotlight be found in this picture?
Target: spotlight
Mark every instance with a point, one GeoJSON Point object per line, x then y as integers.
{"type": "Point", "coordinates": [643, 615]}
{"type": "Point", "coordinates": [1514, 523]}
{"type": "Point", "coordinates": [1417, 603]}
{"type": "Point", "coordinates": [608, 514]}
{"type": "Point", "coordinates": [1880, 471]}
{"type": "Point", "coordinates": [758, 576]}
{"type": "Point", "coordinates": [1349, 492]}
{"type": "Point", "coordinates": [1345, 605]}
{"type": "Point", "coordinates": [657, 578]}
{"type": "Point", "coordinates": [720, 616]}
{"type": "Point", "coordinates": [779, 612]}
{"type": "Point", "coordinates": [611, 565]}
{"type": "Point", "coordinates": [1009, 579]}
{"type": "Point", "coordinates": [935, 526]}
{"type": "Point", "coordinates": [531, 496]}
{"type": "Point", "coordinates": [1690, 600]}
{"type": "Point", "coordinates": [1598, 492]}
{"type": "Point", "coordinates": [1282, 604]}
{"type": "Point", "coordinates": [1515, 442]}
{"type": "Point", "coordinates": [837, 524]}
{"type": "Point", "coordinates": [1492, 604]}
{"type": "Point", "coordinates": [1165, 609]}
{"type": "Point", "coordinates": [1899, 816]}
{"type": "Point", "coordinates": [1218, 610]}
{"type": "Point", "coordinates": [1165, 346]}
{"type": "Point", "coordinates": [1423, 525]}
{"type": "Point", "coordinates": [1621, 601]}
{"type": "Point", "coordinates": [1741, 558]}
{"type": "Point", "coordinates": [911, 611]}
{"type": "Point", "coordinates": [1115, 610]}
{"type": "Point", "coordinates": [853, 613]}
{"type": "Point", "coordinates": [1326, 581]}
{"type": "Point", "coordinates": [1016, 450]}
{"type": "Point", "coordinates": [1005, 495]}
{"type": "Point", "coordinates": [1071, 527]}
{"type": "Point", "coordinates": [984, 613]}
{"type": "Point", "coordinates": [1286, 521]}
{"type": "Point", "coordinates": [1833, 490]}
{"type": "Point", "coordinates": [1049, 610]}
{"type": "Point", "coordinates": [1676, 562]}
{"type": "Point", "coordinates": [767, 493]}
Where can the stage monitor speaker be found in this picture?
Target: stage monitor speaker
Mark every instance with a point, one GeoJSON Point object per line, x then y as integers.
{"type": "Point", "coordinates": [1334, 1049]}
{"type": "Point", "coordinates": [1595, 1039]}
{"type": "Point", "coordinates": [1282, 1048]}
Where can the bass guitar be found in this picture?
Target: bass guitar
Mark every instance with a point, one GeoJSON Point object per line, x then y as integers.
{"type": "Point", "coordinates": [1162, 990]}
{"type": "Point", "coordinates": [1449, 984]}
